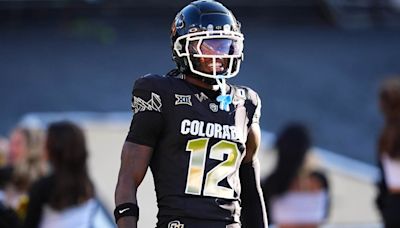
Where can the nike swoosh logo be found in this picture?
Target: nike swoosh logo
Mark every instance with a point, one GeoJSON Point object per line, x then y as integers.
{"type": "Point", "coordinates": [123, 210]}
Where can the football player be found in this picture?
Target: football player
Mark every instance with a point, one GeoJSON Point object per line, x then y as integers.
{"type": "Point", "coordinates": [198, 134]}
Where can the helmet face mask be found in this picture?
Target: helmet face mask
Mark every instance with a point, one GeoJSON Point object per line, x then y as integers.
{"type": "Point", "coordinates": [212, 54]}
{"type": "Point", "coordinates": [206, 41]}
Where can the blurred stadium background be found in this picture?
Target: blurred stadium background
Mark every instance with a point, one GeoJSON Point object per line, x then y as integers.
{"type": "Point", "coordinates": [315, 61]}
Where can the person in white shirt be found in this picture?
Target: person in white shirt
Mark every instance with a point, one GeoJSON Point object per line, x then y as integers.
{"type": "Point", "coordinates": [66, 197]}
{"type": "Point", "coordinates": [388, 200]}
{"type": "Point", "coordinates": [296, 193]}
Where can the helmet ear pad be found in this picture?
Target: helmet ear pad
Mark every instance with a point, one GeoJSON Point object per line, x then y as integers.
{"type": "Point", "coordinates": [184, 66]}
{"type": "Point", "coordinates": [182, 63]}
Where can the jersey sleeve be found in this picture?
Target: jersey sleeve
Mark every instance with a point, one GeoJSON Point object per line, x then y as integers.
{"type": "Point", "coordinates": [147, 121]}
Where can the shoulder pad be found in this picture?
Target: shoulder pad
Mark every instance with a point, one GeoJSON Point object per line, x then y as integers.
{"type": "Point", "coordinates": [147, 93]}
{"type": "Point", "coordinates": [253, 96]}
{"type": "Point", "coordinates": [247, 93]}
{"type": "Point", "coordinates": [149, 82]}
{"type": "Point", "coordinates": [252, 100]}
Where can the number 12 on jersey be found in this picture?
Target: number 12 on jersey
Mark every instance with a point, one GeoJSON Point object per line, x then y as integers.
{"type": "Point", "coordinates": [196, 172]}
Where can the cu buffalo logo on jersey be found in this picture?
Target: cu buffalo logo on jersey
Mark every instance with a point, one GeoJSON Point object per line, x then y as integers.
{"type": "Point", "coordinates": [213, 107]}
{"type": "Point", "coordinates": [175, 224]}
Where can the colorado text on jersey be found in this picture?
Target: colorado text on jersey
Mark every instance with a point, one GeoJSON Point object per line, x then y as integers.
{"type": "Point", "coordinates": [210, 130]}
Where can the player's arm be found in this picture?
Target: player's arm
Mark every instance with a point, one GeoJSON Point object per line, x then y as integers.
{"type": "Point", "coordinates": [253, 207]}
{"type": "Point", "coordinates": [135, 159]}
{"type": "Point", "coordinates": [145, 130]}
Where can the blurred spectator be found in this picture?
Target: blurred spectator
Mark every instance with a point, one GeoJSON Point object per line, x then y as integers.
{"type": "Point", "coordinates": [8, 217]}
{"type": "Point", "coordinates": [5, 169]}
{"type": "Point", "coordinates": [296, 194]}
{"type": "Point", "coordinates": [3, 151]}
{"type": "Point", "coordinates": [26, 159]}
{"type": "Point", "coordinates": [66, 197]}
{"type": "Point", "coordinates": [388, 200]}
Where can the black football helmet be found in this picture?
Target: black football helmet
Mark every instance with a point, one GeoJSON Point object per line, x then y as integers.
{"type": "Point", "coordinates": [206, 33]}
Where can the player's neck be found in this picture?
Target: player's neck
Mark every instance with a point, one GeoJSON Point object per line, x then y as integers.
{"type": "Point", "coordinates": [198, 82]}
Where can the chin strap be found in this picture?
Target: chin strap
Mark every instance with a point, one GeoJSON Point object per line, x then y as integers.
{"type": "Point", "coordinates": [223, 99]}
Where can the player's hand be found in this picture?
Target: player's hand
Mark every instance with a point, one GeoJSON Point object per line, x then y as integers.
{"type": "Point", "coordinates": [127, 222]}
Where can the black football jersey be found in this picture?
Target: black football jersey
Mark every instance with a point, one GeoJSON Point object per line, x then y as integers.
{"type": "Point", "coordinates": [198, 147]}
